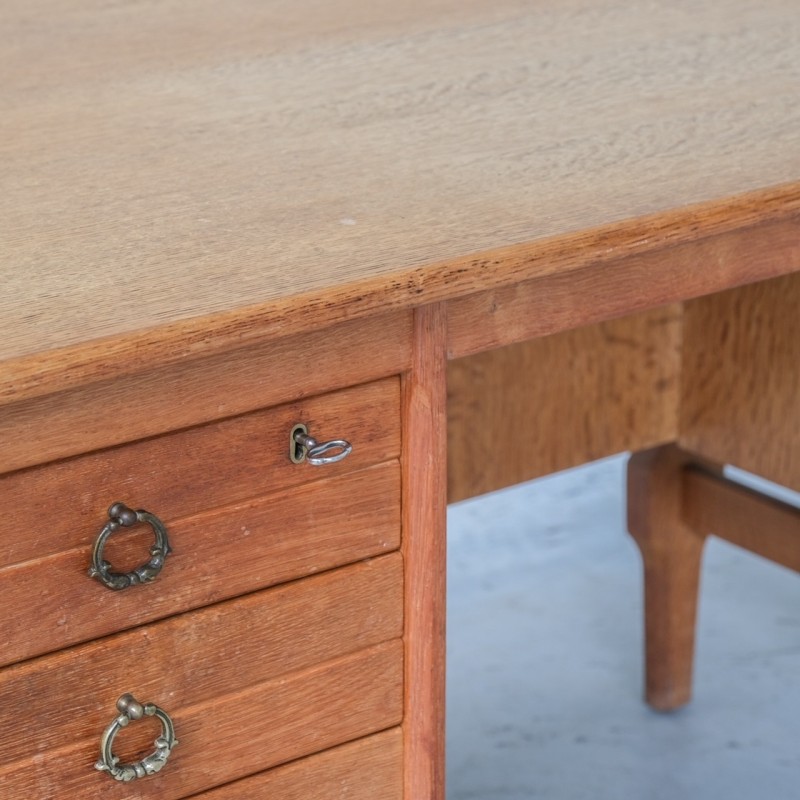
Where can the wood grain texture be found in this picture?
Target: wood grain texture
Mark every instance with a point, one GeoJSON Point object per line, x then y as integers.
{"type": "Point", "coordinates": [116, 411]}
{"type": "Point", "coordinates": [368, 769]}
{"type": "Point", "coordinates": [530, 409]}
{"type": "Point", "coordinates": [425, 551]}
{"type": "Point", "coordinates": [746, 518]}
{"type": "Point", "coordinates": [610, 284]}
{"type": "Point", "coordinates": [193, 658]}
{"type": "Point", "coordinates": [172, 189]}
{"type": "Point", "coordinates": [741, 379]}
{"type": "Point", "coordinates": [237, 734]}
{"type": "Point", "coordinates": [171, 475]}
{"type": "Point", "coordinates": [672, 554]}
{"type": "Point", "coordinates": [217, 554]}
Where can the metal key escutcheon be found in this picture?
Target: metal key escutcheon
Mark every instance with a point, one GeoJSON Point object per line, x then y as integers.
{"type": "Point", "coordinates": [304, 447]}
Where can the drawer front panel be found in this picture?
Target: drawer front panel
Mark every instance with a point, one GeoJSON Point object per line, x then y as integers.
{"type": "Point", "coordinates": [249, 683]}
{"type": "Point", "coordinates": [217, 555]}
{"type": "Point", "coordinates": [369, 769]}
{"type": "Point", "coordinates": [63, 505]}
{"type": "Point", "coordinates": [244, 733]}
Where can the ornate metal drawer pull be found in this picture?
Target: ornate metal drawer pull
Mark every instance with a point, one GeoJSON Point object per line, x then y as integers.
{"type": "Point", "coordinates": [122, 516]}
{"type": "Point", "coordinates": [303, 447]}
{"type": "Point", "coordinates": [131, 710]}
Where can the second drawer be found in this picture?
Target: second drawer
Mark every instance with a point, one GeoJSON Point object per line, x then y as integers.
{"type": "Point", "coordinates": [218, 554]}
{"type": "Point", "coordinates": [250, 683]}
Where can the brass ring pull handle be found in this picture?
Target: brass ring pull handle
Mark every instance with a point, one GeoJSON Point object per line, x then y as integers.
{"type": "Point", "coordinates": [303, 447]}
{"type": "Point", "coordinates": [122, 516]}
{"type": "Point", "coordinates": [130, 709]}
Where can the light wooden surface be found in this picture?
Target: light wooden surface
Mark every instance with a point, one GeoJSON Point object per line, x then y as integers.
{"type": "Point", "coordinates": [741, 381]}
{"type": "Point", "coordinates": [283, 166]}
{"type": "Point", "coordinates": [368, 769]}
{"type": "Point", "coordinates": [207, 210]}
{"type": "Point", "coordinates": [424, 549]}
{"type": "Point", "coordinates": [538, 407]}
{"type": "Point", "coordinates": [256, 638]}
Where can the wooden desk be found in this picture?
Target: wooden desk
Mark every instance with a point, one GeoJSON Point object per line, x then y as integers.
{"type": "Point", "coordinates": [222, 220]}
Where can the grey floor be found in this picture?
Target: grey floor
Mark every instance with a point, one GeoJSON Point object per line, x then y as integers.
{"type": "Point", "coordinates": [544, 649]}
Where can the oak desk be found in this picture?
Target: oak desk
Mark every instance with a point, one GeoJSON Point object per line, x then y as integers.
{"type": "Point", "coordinates": [219, 221]}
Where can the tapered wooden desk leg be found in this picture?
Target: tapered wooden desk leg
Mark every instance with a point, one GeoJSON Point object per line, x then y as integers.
{"type": "Point", "coordinates": [671, 555]}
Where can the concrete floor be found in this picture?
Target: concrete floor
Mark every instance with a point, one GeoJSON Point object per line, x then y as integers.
{"type": "Point", "coordinates": [544, 648]}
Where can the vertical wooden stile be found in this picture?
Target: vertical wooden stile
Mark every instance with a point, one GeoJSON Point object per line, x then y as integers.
{"type": "Point", "coordinates": [424, 550]}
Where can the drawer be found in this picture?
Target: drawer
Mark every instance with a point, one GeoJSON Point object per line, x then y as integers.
{"type": "Point", "coordinates": [217, 554]}
{"type": "Point", "coordinates": [368, 769]}
{"type": "Point", "coordinates": [63, 505]}
{"type": "Point", "coordinates": [250, 684]}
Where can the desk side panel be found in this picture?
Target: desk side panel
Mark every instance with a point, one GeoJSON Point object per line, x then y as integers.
{"type": "Point", "coordinates": [533, 408]}
{"type": "Point", "coordinates": [741, 381]}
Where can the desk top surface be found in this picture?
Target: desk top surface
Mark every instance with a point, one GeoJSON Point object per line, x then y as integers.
{"type": "Point", "coordinates": [173, 168]}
